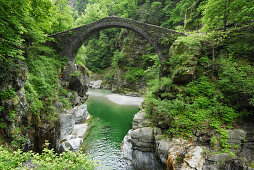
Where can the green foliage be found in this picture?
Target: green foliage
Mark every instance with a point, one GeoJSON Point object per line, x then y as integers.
{"type": "Point", "coordinates": [47, 160]}
{"type": "Point", "coordinates": [81, 56]}
{"type": "Point", "coordinates": [98, 53]}
{"type": "Point", "coordinates": [227, 12]}
{"type": "Point", "coordinates": [152, 16]}
{"type": "Point", "coordinates": [92, 13]}
{"type": "Point", "coordinates": [63, 16]}
{"type": "Point", "coordinates": [118, 59]}
{"type": "Point", "coordinates": [175, 12]}
{"type": "Point", "coordinates": [21, 22]}
{"type": "Point", "coordinates": [134, 74]}
{"type": "Point", "coordinates": [2, 123]}
{"type": "Point", "coordinates": [236, 80]}
{"type": "Point", "coordinates": [199, 103]}
{"type": "Point", "coordinates": [42, 87]}
{"type": "Point", "coordinates": [152, 63]}
{"type": "Point", "coordinates": [7, 94]}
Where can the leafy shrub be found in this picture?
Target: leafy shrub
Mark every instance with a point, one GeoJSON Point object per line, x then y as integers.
{"type": "Point", "coordinates": [236, 80]}
{"type": "Point", "coordinates": [134, 74]}
{"type": "Point", "coordinates": [198, 105]}
{"type": "Point", "coordinates": [47, 160]}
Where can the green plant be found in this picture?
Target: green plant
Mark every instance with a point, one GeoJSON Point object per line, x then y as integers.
{"type": "Point", "coordinates": [47, 160]}
{"type": "Point", "coordinates": [198, 105]}
{"type": "Point", "coordinates": [7, 94]}
{"type": "Point", "coordinates": [12, 114]}
{"type": "Point", "coordinates": [134, 74]}
{"type": "Point", "coordinates": [2, 123]}
{"type": "Point", "coordinates": [75, 74]}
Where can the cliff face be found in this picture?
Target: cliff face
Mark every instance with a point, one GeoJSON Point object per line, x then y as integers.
{"type": "Point", "coordinates": [30, 110]}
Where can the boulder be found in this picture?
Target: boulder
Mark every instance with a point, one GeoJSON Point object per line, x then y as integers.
{"type": "Point", "coordinates": [220, 157]}
{"type": "Point", "coordinates": [162, 146]}
{"type": "Point", "coordinates": [95, 84]}
{"type": "Point", "coordinates": [194, 159]}
{"type": "Point", "coordinates": [72, 145]}
{"type": "Point", "coordinates": [145, 160]}
{"type": "Point", "coordinates": [81, 113]}
{"type": "Point", "coordinates": [216, 161]}
{"type": "Point", "coordinates": [70, 130]}
{"type": "Point", "coordinates": [142, 139]}
{"type": "Point", "coordinates": [140, 121]}
{"type": "Point", "coordinates": [236, 137]}
{"type": "Point", "coordinates": [177, 149]}
{"type": "Point", "coordinates": [127, 146]}
{"type": "Point", "coordinates": [67, 123]}
{"type": "Point", "coordinates": [79, 130]}
{"type": "Point", "coordinates": [73, 81]}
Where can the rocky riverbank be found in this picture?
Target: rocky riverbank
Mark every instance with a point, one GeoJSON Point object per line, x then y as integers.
{"type": "Point", "coordinates": [73, 128]}
{"type": "Point", "coordinates": [147, 148]}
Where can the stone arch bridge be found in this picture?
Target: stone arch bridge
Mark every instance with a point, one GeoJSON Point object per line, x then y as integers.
{"type": "Point", "coordinates": [67, 43]}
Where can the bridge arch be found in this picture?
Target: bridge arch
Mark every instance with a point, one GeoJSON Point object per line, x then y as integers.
{"type": "Point", "coordinates": [101, 26]}
{"type": "Point", "coordinates": [68, 43]}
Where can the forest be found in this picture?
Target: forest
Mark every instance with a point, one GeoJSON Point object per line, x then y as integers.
{"type": "Point", "coordinates": [207, 81]}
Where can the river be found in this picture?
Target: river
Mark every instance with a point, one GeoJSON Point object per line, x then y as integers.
{"type": "Point", "coordinates": [112, 118]}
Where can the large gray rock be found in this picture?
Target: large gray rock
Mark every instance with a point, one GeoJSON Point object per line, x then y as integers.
{"type": "Point", "coordinates": [236, 136]}
{"type": "Point", "coordinates": [162, 147]}
{"type": "Point", "coordinates": [145, 160]}
{"type": "Point", "coordinates": [73, 141]}
{"type": "Point", "coordinates": [79, 130]}
{"type": "Point", "coordinates": [95, 84]}
{"type": "Point", "coordinates": [70, 130]}
{"type": "Point", "coordinates": [73, 81]}
{"type": "Point", "coordinates": [81, 113]}
{"type": "Point", "coordinates": [67, 122]}
{"type": "Point", "coordinates": [177, 147]}
{"type": "Point", "coordinates": [140, 121]}
{"type": "Point", "coordinates": [127, 146]}
{"type": "Point", "coordinates": [72, 145]}
{"type": "Point", "coordinates": [143, 139]}
{"type": "Point", "coordinates": [194, 159]}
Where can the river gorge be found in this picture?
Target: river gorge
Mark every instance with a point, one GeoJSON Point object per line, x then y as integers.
{"type": "Point", "coordinates": [112, 116]}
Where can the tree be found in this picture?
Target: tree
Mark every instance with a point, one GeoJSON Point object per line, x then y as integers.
{"type": "Point", "coordinates": [92, 13]}
{"type": "Point", "coordinates": [21, 23]}
{"type": "Point", "coordinates": [221, 13]}
{"type": "Point", "coordinates": [63, 19]}
{"type": "Point", "coordinates": [97, 52]}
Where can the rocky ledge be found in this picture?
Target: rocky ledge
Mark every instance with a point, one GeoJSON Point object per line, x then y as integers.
{"type": "Point", "coordinates": [147, 148]}
{"type": "Point", "coordinates": [72, 129]}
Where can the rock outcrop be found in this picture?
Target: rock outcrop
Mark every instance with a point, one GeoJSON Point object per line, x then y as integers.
{"type": "Point", "coordinates": [71, 129]}
{"type": "Point", "coordinates": [147, 148]}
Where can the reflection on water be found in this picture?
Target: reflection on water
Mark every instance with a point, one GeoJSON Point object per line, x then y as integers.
{"type": "Point", "coordinates": [109, 125]}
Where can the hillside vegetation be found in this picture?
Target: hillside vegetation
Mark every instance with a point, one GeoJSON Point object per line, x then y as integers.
{"type": "Point", "coordinates": [208, 77]}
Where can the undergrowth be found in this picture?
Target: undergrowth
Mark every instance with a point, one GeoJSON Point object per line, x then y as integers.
{"type": "Point", "coordinates": [47, 160]}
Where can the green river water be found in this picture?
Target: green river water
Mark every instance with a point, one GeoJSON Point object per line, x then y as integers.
{"type": "Point", "coordinates": [109, 125]}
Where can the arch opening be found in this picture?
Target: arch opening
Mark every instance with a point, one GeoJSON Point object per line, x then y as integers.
{"type": "Point", "coordinates": [100, 27]}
